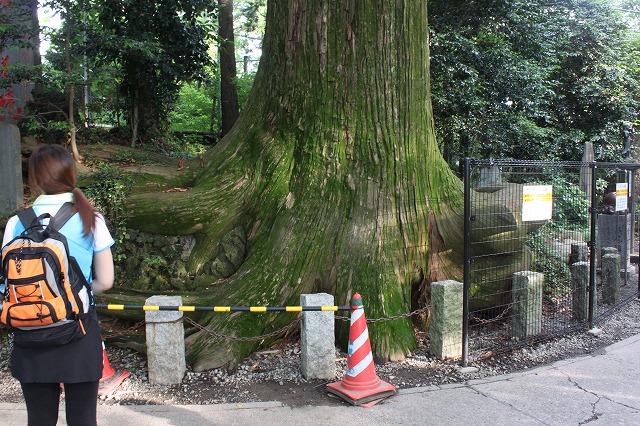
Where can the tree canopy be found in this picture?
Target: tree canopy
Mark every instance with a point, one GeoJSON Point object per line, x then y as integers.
{"type": "Point", "coordinates": [531, 80]}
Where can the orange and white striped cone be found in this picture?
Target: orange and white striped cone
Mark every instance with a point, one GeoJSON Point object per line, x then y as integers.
{"type": "Point", "coordinates": [110, 379]}
{"type": "Point", "coordinates": [360, 385]}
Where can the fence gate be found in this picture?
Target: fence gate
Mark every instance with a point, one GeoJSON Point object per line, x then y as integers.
{"type": "Point", "coordinates": [535, 237]}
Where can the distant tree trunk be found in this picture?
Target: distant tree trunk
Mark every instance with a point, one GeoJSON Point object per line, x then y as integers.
{"type": "Point", "coordinates": [333, 174]}
{"type": "Point", "coordinates": [35, 39]}
{"type": "Point", "coordinates": [67, 56]}
{"type": "Point", "coordinates": [135, 117]}
{"type": "Point", "coordinates": [86, 92]}
{"type": "Point", "coordinates": [228, 87]}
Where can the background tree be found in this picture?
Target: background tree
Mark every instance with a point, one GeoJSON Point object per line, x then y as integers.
{"type": "Point", "coordinates": [157, 45]}
{"type": "Point", "coordinates": [226, 47]}
{"type": "Point", "coordinates": [530, 80]}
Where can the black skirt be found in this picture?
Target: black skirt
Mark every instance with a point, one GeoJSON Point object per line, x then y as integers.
{"type": "Point", "coordinates": [76, 362]}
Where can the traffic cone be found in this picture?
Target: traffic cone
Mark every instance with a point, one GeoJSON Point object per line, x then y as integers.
{"type": "Point", "coordinates": [110, 378]}
{"type": "Point", "coordinates": [360, 385]}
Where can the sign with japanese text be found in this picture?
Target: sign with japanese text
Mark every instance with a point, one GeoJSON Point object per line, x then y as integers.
{"type": "Point", "coordinates": [537, 202]}
{"type": "Point", "coordinates": [622, 195]}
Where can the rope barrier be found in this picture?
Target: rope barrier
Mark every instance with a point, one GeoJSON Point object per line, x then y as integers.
{"type": "Point", "coordinates": [116, 307]}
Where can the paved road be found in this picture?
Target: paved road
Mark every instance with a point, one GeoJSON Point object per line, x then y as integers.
{"type": "Point", "coordinates": [599, 389]}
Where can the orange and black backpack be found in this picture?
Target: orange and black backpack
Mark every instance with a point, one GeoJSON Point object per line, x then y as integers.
{"type": "Point", "coordinates": [47, 296]}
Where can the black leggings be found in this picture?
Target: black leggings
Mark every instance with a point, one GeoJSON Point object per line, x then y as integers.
{"type": "Point", "coordinates": [81, 400]}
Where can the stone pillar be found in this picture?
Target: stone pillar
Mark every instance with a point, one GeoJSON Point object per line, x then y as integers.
{"type": "Point", "coordinates": [10, 168]}
{"type": "Point", "coordinates": [585, 171]}
{"type": "Point", "coordinates": [580, 285]}
{"type": "Point", "coordinates": [165, 342]}
{"type": "Point", "coordinates": [579, 253]}
{"type": "Point", "coordinates": [614, 230]}
{"type": "Point", "coordinates": [490, 176]}
{"type": "Point", "coordinates": [527, 303]}
{"type": "Point", "coordinates": [611, 279]}
{"type": "Point", "coordinates": [317, 338]}
{"type": "Point", "coordinates": [446, 319]}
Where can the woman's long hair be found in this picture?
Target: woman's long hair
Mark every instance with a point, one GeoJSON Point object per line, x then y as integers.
{"type": "Point", "coordinates": [53, 170]}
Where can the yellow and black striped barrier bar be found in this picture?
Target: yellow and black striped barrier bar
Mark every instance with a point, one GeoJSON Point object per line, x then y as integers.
{"type": "Point", "coordinates": [115, 307]}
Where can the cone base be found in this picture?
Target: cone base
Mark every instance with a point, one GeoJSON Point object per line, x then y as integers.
{"type": "Point", "coordinates": [362, 397]}
{"type": "Point", "coordinates": [109, 384]}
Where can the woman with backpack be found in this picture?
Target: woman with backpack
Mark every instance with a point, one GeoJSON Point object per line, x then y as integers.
{"type": "Point", "coordinates": [78, 364]}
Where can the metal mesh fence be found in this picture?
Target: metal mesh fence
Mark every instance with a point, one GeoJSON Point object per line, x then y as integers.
{"type": "Point", "coordinates": [536, 234]}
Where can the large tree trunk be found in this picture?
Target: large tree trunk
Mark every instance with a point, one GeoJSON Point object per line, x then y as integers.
{"type": "Point", "coordinates": [334, 173]}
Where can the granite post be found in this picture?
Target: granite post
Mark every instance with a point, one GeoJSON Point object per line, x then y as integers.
{"type": "Point", "coordinates": [165, 342]}
{"type": "Point", "coordinates": [579, 253]}
{"type": "Point", "coordinates": [580, 285]}
{"type": "Point", "coordinates": [10, 168]}
{"type": "Point", "coordinates": [611, 279]}
{"type": "Point", "coordinates": [588, 156]}
{"type": "Point", "coordinates": [614, 230]}
{"type": "Point", "coordinates": [446, 319]}
{"type": "Point", "coordinates": [527, 303]}
{"type": "Point", "coordinates": [317, 338]}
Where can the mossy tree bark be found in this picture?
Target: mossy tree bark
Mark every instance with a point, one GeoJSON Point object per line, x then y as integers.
{"type": "Point", "coordinates": [334, 173]}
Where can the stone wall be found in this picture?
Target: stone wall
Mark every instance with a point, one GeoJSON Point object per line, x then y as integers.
{"type": "Point", "coordinates": [155, 262]}
{"type": "Point", "coordinates": [159, 262]}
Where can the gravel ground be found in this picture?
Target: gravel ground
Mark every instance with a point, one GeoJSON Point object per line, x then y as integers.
{"type": "Point", "coordinates": [274, 374]}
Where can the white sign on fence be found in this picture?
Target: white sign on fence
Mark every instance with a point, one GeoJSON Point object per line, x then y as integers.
{"type": "Point", "coordinates": [622, 194]}
{"type": "Point", "coordinates": [537, 202]}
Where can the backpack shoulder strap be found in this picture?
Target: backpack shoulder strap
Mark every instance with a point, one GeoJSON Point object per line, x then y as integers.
{"type": "Point", "coordinates": [64, 214]}
{"type": "Point", "coordinates": [27, 217]}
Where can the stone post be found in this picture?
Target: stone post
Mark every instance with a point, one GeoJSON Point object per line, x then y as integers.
{"type": "Point", "coordinates": [490, 176]}
{"type": "Point", "coordinates": [10, 168]}
{"type": "Point", "coordinates": [317, 338]}
{"type": "Point", "coordinates": [580, 285]}
{"type": "Point", "coordinates": [165, 342]}
{"type": "Point", "coordinates": [588, 156]}
{"type": "Point", "coordinates": [611, 279]}
{"type": "Point", "coordinates": [527, 303]}
{"type": "Point", "coordinates": [578, 253]}
{"type": "Point", "coordinates": [446, 319]}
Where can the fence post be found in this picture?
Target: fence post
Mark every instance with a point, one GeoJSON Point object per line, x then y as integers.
{"type": "Point", "coordinates": [446, 318]}
{"type": "Point", "coordinates": [317, 338]}
{"type": "Point", "coordinates": [165, 341]}
{"type": "Point", "coordinates": [467, 261]}
{"type": "Point", "coordinates": [593, 252]}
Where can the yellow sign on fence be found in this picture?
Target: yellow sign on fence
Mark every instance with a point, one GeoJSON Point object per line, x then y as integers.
{"type": "Point", "coordinates": [537, 202]}
{"type": "Point", "coordinates": [622, 194]}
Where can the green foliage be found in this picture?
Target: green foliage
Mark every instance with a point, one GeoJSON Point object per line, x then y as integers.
{"type": "Point", "coordinates": [139, 54]}
{"type": "Point", "coordinates": [244, 84]}
{"type": "Point", "coordinates": [195, 109]}
{"type": "Point", "coordinates": [531, 80]}
{"type": "Point", "coordinates": [154, 261]}
{"type": "Point", "coordinates": [570, 204]}
{"type": "Point", "coordinates": [108, 188]}
{"type": "Point", "coordinates": [130, 157]}
{"type": "Point", "coordinates": [557, 275]}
